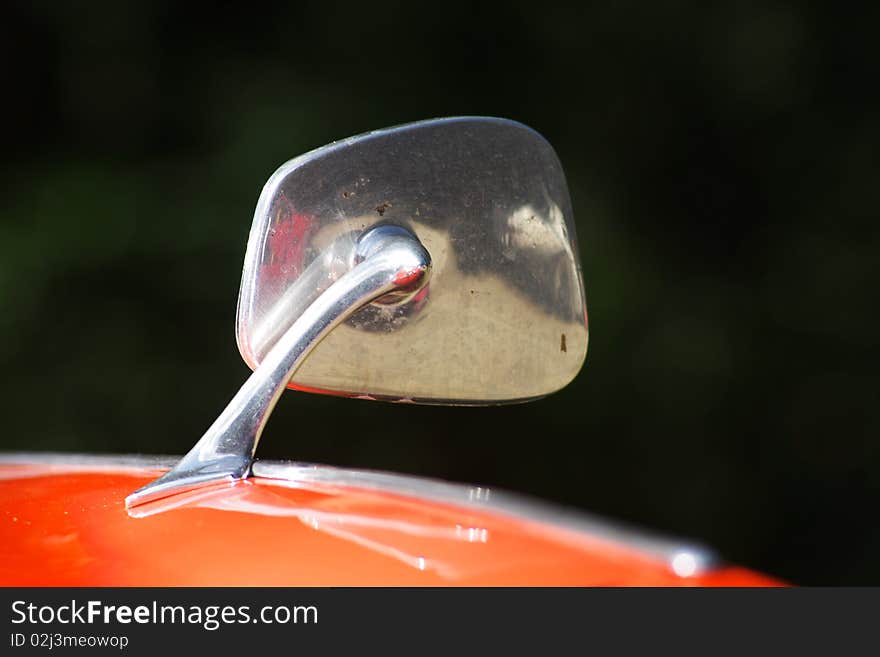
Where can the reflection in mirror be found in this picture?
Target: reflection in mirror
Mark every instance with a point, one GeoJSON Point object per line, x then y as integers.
{"type": "Point", "coordinates": [503, 318]}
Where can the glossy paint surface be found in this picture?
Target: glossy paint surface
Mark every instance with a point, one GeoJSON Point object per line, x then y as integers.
{"type": "Point", "coordinates": [68, 526]}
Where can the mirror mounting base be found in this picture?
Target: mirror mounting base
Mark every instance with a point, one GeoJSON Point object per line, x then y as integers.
{"type": "Point", "coordinates": [388, 263]}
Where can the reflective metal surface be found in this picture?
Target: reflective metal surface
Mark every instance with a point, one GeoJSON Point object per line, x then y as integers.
{"type": "Point", "coordinates": [447, 247]}
{"type": "Point", "coordinates": [388, 261]}
{"type": "Point", "coordinates": [503, 318]}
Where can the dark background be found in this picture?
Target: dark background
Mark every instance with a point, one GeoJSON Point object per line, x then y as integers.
{"type": "Point", "coordinates": [723, 165]}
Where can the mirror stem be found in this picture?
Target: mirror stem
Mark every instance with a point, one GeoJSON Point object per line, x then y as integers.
{"type": "Point", "coordinates": [389, 260]}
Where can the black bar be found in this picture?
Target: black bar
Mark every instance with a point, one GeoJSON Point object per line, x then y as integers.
{"type": "Point", "coordinates": [457, 621]}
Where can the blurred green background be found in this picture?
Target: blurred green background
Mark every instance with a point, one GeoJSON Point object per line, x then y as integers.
{"type": "Point", "coordinates": [723, 165]}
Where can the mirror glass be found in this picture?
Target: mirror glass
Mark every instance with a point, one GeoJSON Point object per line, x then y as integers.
{"type": "Point", "coordinates": [503, 317]}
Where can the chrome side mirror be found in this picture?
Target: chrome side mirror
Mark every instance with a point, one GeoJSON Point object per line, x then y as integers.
{"type": "Point", "coordinates": [433, 262]}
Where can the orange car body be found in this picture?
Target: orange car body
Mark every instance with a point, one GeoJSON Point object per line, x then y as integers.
{"type": "Point", "coordinates": [64, 523]}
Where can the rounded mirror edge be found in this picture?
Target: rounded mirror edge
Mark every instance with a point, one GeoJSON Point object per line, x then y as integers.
{"type": "Point", "coordinates": [262, 216]}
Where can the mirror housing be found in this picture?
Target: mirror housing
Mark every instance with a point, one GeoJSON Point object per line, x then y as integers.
{"type": "Point", "coordinates": [504, 316]}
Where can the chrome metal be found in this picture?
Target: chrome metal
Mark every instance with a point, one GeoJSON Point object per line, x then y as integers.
{"type": "Point", "coordinates": [64, 461]}
{"type": "Point", "coordinates": [387, 260]}
{"type": "Point", "coordinates": [337, 244]}
{"type": "Point", "coordinates": [504, 317]}
{"type": "Point", "coordinates": [682, 557]}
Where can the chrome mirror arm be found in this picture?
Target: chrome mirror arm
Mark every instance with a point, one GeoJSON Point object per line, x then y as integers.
{"type": "Point", "coordinates": [390, 262]}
